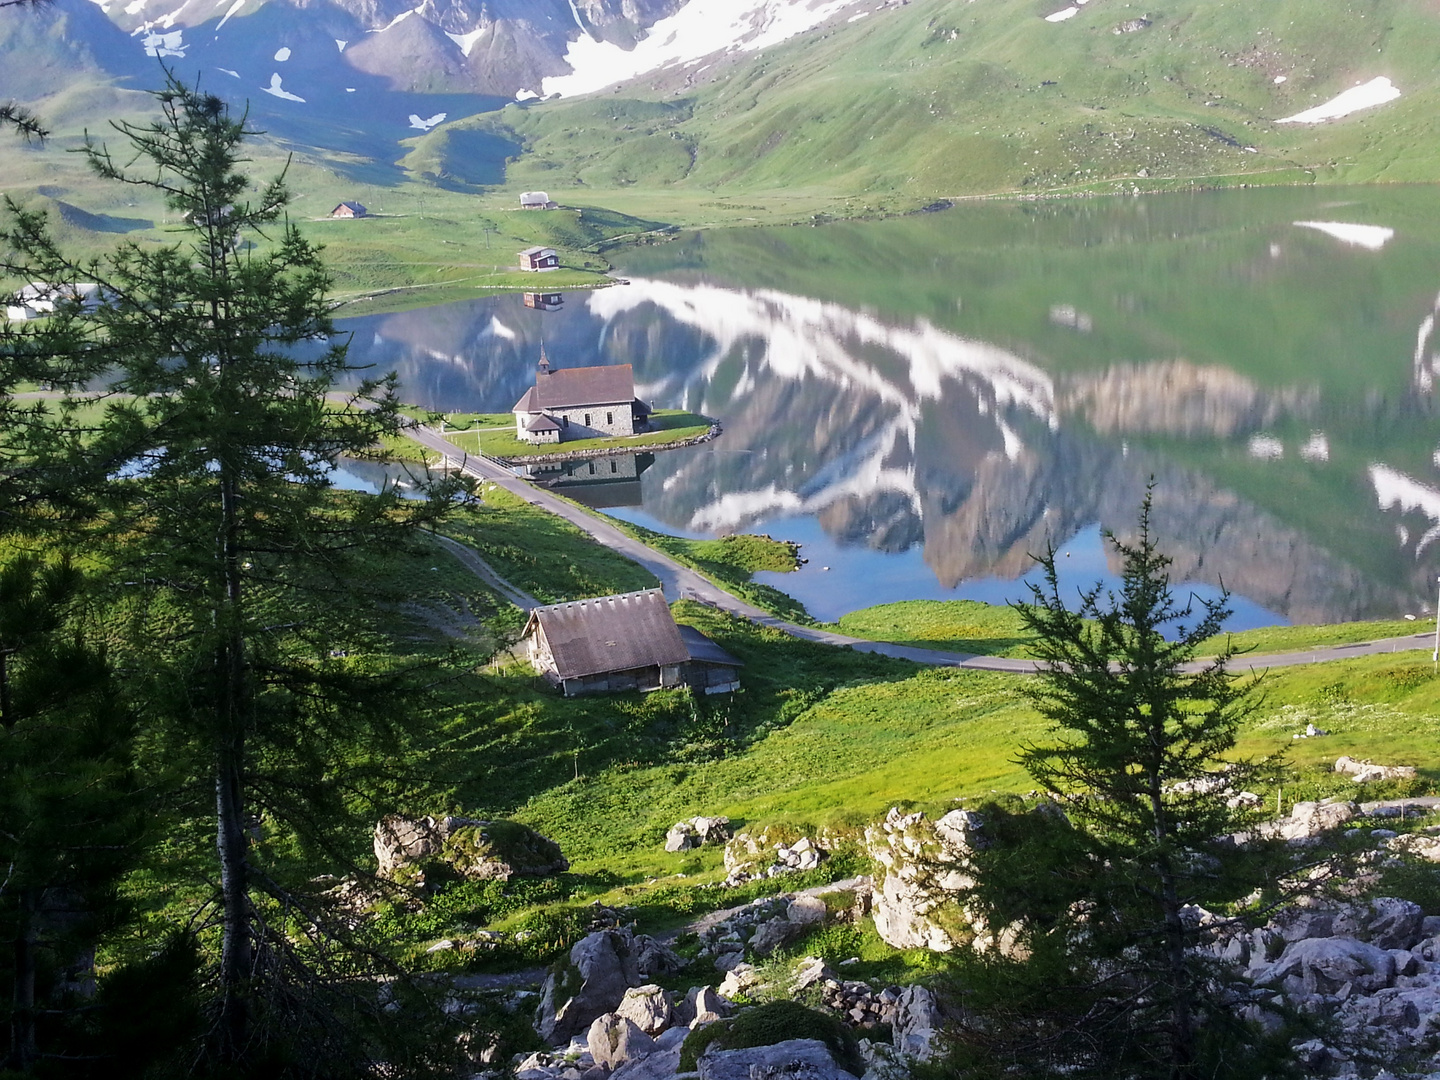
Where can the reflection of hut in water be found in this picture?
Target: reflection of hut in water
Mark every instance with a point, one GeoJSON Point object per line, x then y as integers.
{"type": "Point", "coordinates": [598, 482]}
{"type": "Point", "coordinates": [544, 301]}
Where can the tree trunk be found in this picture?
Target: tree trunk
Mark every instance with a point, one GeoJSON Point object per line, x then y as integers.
{"type": "Point", "coordinates": [237, 948]}
{"type": "Point", "coordinates": [23, 1050]}
{"type": "Point", "coordinates": [1182, 1021]}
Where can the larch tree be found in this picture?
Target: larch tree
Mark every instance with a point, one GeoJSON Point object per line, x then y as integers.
{"type": "Point", "coordinates": [228, 402]}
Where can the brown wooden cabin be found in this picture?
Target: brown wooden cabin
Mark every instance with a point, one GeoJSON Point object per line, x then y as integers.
{"type": "Point", "coordinates": [624, 642]}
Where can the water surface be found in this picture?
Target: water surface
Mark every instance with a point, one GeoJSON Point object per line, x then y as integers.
{"type": "Point", "coordinates": [926, 402]}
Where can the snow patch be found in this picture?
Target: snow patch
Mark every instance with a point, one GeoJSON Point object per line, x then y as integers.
{"type": "Point", "coordinates": [396, 20]}
{"type": "Point", "coordinates": [275, 90]}
{"type": "Point", "coordinates": [1266, 448]}
{"type": "Point", "coordinates": [1063, 14]}
{"type": "Point", "coordinates": [282, 54]}
{"type": "Point", "coordinates": [236, 6]}
{"type": "Point", "coordinates": [340, 44]}
{"type": "Point", "coordinates": [698, 29]}
{"type": "Point", "coordinates": [578, 21]}
{"type": "Point", "coordinates": [498, 329]}
{"type": "Point", "coordinates": [171, 44]}
{"type": "Point", "coordinates": [426, 125]}
{"type": "Point", "coordinates": [1316, 448]}
{"type": "Point", "coordinates": [135, 7]}
{"type": "Point", "coordinates": [1396, 491]}
{"type": "Point", "coordinates": [227, 71]}
{"type": "Point", "coordinates": [1280, 79]}
{"type": "Point", "coordinates": [168, 20]}
{"type": "Point", "coordinates": [1366, 96]}
{"type": "Point", "coordinates": [857, 18]}
{"type": "Point", "coordinates": [467, 41]}
{"type": "Point", "coordinates": [526, 95]}
{"type": "Point", "coordinates": [1371, 237]}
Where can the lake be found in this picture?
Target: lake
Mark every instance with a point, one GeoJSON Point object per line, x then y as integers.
{"type": "Point", "coordinates": [926, 402]}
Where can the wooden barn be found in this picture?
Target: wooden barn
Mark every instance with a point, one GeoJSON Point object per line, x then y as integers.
{"type": "Point", "coordinates": [539, 259]}
{"type": "Point", "coordinates": [349, 210]}
{"type": "Point", "coordinates": [624, 642]}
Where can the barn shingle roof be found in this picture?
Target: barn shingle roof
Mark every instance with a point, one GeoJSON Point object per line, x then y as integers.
{"type": "Point", "coordinates": [611, 633]}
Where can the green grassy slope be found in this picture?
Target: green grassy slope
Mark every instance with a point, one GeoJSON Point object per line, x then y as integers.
{"type": "Point", "coordinates": [944, 98]}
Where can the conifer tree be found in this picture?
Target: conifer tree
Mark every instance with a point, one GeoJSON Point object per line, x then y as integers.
{"type": "Point", "coordinates": [229, 401]}
{"type": "Point", "coordinates": [1112, 976]}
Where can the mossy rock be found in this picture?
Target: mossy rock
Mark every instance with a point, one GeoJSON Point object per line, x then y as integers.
{"type": "Point", "coordinates": [768, 1024]}
{"type": "Point", "coordinates": [500, 850]}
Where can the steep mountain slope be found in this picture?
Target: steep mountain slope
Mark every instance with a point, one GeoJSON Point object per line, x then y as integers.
{"type": "Point", "coordinates": [948, 97]}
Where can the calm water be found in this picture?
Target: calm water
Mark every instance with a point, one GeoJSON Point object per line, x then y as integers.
{"type": "Point", "coordinates": [923, 403]}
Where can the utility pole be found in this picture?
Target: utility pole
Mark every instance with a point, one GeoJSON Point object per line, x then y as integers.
{"type": "Point", "coordinates": [1435, 656]}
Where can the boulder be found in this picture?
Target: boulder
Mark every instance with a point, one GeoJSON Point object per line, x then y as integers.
{"type": "Point", "coordinates": [773, 934]}
{"type": "Point", "coordinates": [883, 1062]}
{"type": "Point", "coordinates": [1365, 772]}
{"type": "Point", "coordinates": [1417, 845]}
{"type": "Point", "coordinates": [801, 855]}
{"type": "Point", "coordinates": [475, 849]}
{"type": "Point", "coordinates": [708, 1006]}
{"type": "Point", "coordinates": [806, 911]}
{"type": "Point", "coordinates": [681, 837]}
{"type": "Point", "coordinates": [1321, 966]}
{"type": "Point", "coordinates": [654, 958]}
{"type": "Point", "coordinates": [1308, 820]}
{"type": "Point", "coordinates": [738, 980]}
{"type": "Point", "coordinates": [917, 1023]}
{"type": "Point", "coordinates": [613, 1040]}
{"type": "Point", "coordinates": [808, 972]}
{"type": "Point", "coordinates": [661, 1065]}
{"type": "Point", "coordinates": [400, 841]}
{"type": "Point", "coordinates": [712, 830]}
{"type": "Point", "coordinates": [601, 967]}
{"type": "Point", "coordinates": [793, 1059]}
{"type": "Point", "coordinates": [647, 1007]}
{"type": "Point", "coordinates": [1385, 922]}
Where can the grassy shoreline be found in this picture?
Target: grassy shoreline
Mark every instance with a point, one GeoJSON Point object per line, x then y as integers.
{"type": "Point", "coordinates": [493, 435]}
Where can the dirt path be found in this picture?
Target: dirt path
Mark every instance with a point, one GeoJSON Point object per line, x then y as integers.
{"type": "Point", "coordinates": [681, 583]}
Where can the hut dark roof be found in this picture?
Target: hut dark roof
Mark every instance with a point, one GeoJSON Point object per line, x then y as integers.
{"type": "Point", "coordinates": [611, 633]}
{"type": "Point", "coordinates": [352, 206]}
{"type": "Point", "coordinates": [702, 648]}
{"type": "Point", "coordinates": [542, 423]}
{"type": "Point", "coordinates": [568, 388]}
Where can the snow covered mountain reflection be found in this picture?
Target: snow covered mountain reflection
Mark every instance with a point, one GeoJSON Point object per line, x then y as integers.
{"type": "Point", "coordinates": [895, 434]}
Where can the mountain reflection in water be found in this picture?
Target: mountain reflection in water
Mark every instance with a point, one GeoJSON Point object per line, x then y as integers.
{"type": "Point", "coordinates": [1299, 470]}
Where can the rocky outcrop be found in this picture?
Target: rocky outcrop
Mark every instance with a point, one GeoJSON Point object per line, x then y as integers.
{"type": "Point", "coordinates": [697, 832]}
{"type": "Point", "coordinates": [917, 1024]}
{"type": "Point", "coordinates": [750, 857]}
{"type": "Point", "coordinates": [1310, 820]}
{"type": "Point", "coordinates": [475, 849]}
{"type": "Point", "coordinates": [926, 865]}
{"type": "Point", "coordinates": [793, 1059]}
{"type": "Point", "coordinates": [593, 981]}
{"type": "Point", "coordinates": [1366, 772]}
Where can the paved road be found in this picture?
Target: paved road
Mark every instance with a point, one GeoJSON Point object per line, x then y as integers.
{"type": "Point", "coordinates": [680, 582]}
